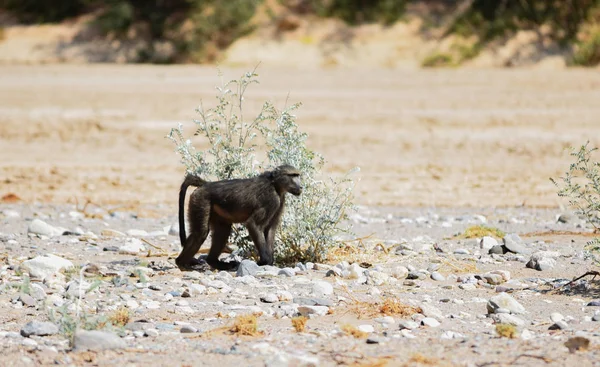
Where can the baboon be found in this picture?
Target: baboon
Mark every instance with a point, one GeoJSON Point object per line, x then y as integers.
{"type": "Point", "coordinates": [256, 202]}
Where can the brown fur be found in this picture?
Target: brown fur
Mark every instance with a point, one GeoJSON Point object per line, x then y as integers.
{"type": "Point", "coordinates": [256, 202]}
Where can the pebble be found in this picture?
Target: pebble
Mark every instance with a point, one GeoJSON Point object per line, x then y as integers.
{"type": "Point", "coordinates": [513, 243]}
{"type": "Point", "coordinates": [151, 332]}
{"type": "Point", "coordinates": [247, 267]}
{"type": "Point", "coordinates": [322, 288]}
{"type": "Point", "coordinates": [136, 232]}
{"type": "Point", "coordinates": [39, 328]}
{"type": "Point", "coordinates": [269, 298]}
{"type": "Point", "coordinates": [173, 229]}
{"type": "Point", "coordinates": [430, 322]}
{"type": "Point", "coordinates": [461, 251]}
{"type": "Point", "coordinates": [366, 328]}
{"type": "Point", "coordinates": [27, 300]}
{"type": "Point", "coordinates": [96, 340]}
{"type": "Point", "coordinates": [108, 232]}
{"type": "Point", "coordinates": [543, 260]}
{"type": "Point", "coordinates": [41, 228]}
{"type": "Point", "coordinates": [437, 276]}
{"type": "Point", "coordinates": [504, 301]}
{"type": "Point", "coordinates": [408, 324]}
{"type": "Point", "coordinates": [506, 318]}
{"type": "Point", "coordinates": [559, 325]}
{"type": "Point", "coordinates": [313, 310]}
{"type": "Point", "coordinates": [287, 272]}
{"type": "Point", "coordinates": [376, 277]}
{"type": "Point", "coordinates": [313, 301]}
{"type": "Point", "coordinates": [555, 317]}
{"type": "Point", "coordinates": [185, 329]}
{"type": "Point", "coordinates": [41, 267]}
{"type": "Point", "coordinates": [133, 246]}
{"type": "Point", "coordinates": [487, 242]}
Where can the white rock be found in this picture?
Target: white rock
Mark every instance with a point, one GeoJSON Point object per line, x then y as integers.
{"type": "Point", "coordinates": [487, 242]}
{"type": "Point", "coordinates": [366, 328]}
{"type": "Point", "coordinates": [136, 232]}
{"type": "Point", "coordinates": [313, 310]}
{"type": "Point", "coordinates": [355, 271]}
{"type": "Point", "coordinates": [284, 296]}
{"type": "Point", "coordinates": [504, 301]}
{"type": "Point", "coordinates": [151, 332]}
{"type": "Point", "coordinates": [41, 228]}
{"type": "Point", "coordinates": [322, 288]}
{"type": "Point", "coordinates": [173, 229]}
{"type": "Point", "coordinates": [376, 277]}
{"type": "Point", "coordinates": [556, 317]}
{"type": "Point", "coordinates": [400, 272]}
{"type": "Point", "coordinates": [41, 267]}
{"type": "Point", "coordinates": [430, 321]}
{"type": "Point", "coordinates": [132, 247]}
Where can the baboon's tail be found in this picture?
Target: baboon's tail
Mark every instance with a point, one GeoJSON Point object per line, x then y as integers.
{"type": "Point", "coordinates": [190, 180]}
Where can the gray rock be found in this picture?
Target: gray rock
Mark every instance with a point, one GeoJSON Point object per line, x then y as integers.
{"type": "Point", "coordinates": [247, 267]}
{"type": "Point", "coordinates": [37, 291]}
{"type": "Point", "coordinates": [513, 243]}
{"type": "Point", "coordinates": [186, 329]}
{"type": "Point", "coordinates": [287, 272]}
{"type": "Point", "coordinates": [505, 301]}
{"type": "Point", "coordinates": [430, 322]}
{"type": "Point", "coordinates": [27, 300]}
{"type": "Point", "coordinates": [336, 272]}
{"type": "Point", "coordinates": [568, 218]}
{"type": "Point", "coordinates": [559, 325]}
{"type": "Point", "coordinates": [505, 318]}
{"type": "Point", "coordinates": [305, 301]}
{"type": "Point", "coordinates": [321, 288]}
{"type": "Point", "coordinates": [596, 317]}
{"type": "Point", "coordinates": [493, 279]}
{"type": "Point", "coordinates": [41, 228]}
{"type": "Point", "coordinates": [461, 251]}
{"type": "Point", "coordinates": [269, 298]}
{"type": "Point", "coordinates": [136, 232]}
{"type": "Point", "coordinates": [487, 242]}
{"type": "Point", "coordinates": [498, 249]}
{"type": "Point", "coordinates": [173, 230]}
{"type": "Point", "coordinates": [133, 246]}
{"type": "Point", "coordinates": [313, 310]}
{"type": "Point", "coordinates": [39, 328]}
{"type": "Point", "coordinates": [151, 333]}
{"type": "Point", "coordinates": [42, 266]}
{"type": "Point", "coordinates": [429, 310]}
{"type": "Point", "coordinates": [408, 324]}
{"type": "Point", "coordinates": [543, 260]}
{"type": "Point", "coordinates": [96, 340]}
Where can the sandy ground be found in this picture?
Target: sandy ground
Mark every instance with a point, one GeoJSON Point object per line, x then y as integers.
{"type": "Point", "coordinates": [433, 138]}
{"type": "Point", "coordinates": [443, 142]}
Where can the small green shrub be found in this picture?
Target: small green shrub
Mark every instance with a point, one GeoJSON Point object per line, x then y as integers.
{"type": "Point", "coordinates": [587, 53]}
{"type": "Point", "coordinates": [311, 221]}
{"type": "Point", "coordinates": [581, 185]}
{"type": "Point", "coordinates": [437, 59]}
{"type": "Point", "coordinates": [361, 11]}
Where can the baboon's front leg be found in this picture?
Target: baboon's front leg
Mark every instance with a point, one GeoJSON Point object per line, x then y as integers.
{"type": "Point", "coordinates": [258, 237]}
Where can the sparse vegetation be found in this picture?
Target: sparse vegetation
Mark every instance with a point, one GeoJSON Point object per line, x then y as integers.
{"type": "Point", "coordinates": [353, 331]}
{"type": "Point", "coordinates": [581, 185]}
{"type": "Point", "coordinates": [587, 52]}
{"type": "Point", "coordinates": [313, 220]}
{"type": "Point", "coordinates": [437, 59]}
{"type": "Point", "coordinates": [506, 331]}
{"type": "Point", "coordinates": [481, 231]}
{"type": "Point", "coordinates": [246, 325]}
{"type": "Point", "coordinates": [299, 323]}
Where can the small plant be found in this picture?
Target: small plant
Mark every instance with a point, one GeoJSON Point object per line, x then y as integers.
{"type": "Point", "coordinates": [506, 331]}
{"type": "Point", "coordinates": [437, 59]}
{"type": "Point", "coordinates": [353, 331]}
{"type": "Point", "coordinates": [587, 52]}
{"type": "Point", "coordinates": [120, 317]}
{"type": "Point", "coordinates": [481, 231]}
{"type": "Point", "coordinates": [242, 147]}
{"type": "Point", "coordinates": [245, 325]}
{"type": "Point", "coordinates": [581, 185]}
{"type": "Point", "coordinates": [299, 323]}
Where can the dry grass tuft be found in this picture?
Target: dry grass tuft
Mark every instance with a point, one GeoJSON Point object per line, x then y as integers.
{"type": "Point", "coordinates": [393, 307]}
{"type": "Point", "coordinates": [299, 323]}
{"type": "Point", "coordinates": [120, 317]}
{"type": "Point", "coordinates": [353, 331]}
{"type": "Point", "coordinates": [422, 360]}
{"type": "Point", "coordinates": [245, 325]}
{"type": "Point", "coordinates": [379, 362]}
{"type": "Point", "coordinates": [506, 330]}
{"type": "Point", "coordinates": [480, 231]}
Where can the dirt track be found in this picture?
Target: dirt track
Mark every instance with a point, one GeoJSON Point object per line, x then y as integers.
{"type": "Point", "coordinates": [443, 137]}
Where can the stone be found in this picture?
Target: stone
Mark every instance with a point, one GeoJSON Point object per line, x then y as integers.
{"type": "Point", "coordinates": [567, 218]}
{"type": "Point", "coordinates": [41, 228]}
{"type": "Point", "coordinates": [555, 317]}
{"type": "Point", "coordinates": [151, 332]}
{"type": "Point", "coordinates": [559, 325]}
{"type": "Point", "coordinates": [188, 329]}
{"type": "Point", "coordinates": [108, 232]}
{"type": "Point", "coordinates": [376, 277]}
{"type": "Point", "coordinates": [136, 232]}
{"type": "Point", "coordinates": [173, 229]}
{"type": "Point", "coordinates": [408, 324]}
{"type": "Point", "coordinates": [313, 310]}
{"type": "Point", "coordinates": [437, 276]}
{"type": "Point", "coordinates": [133, 246]}
{"type": "Point", "coordinates": [498, 249]}
{"type": "Point", "coordinates": [429, 310]}
{"type": "Point", "coordinates": [506, 318]}
{"type": "Point", "coordinates": [27, 300]}
{"type": "Point", "coordinates": [321, 288]}
{"type": "Point", "coordinates": [504, 301]}
{"type": "Point", "coordinates": [39, 328]}
{"type": "Point", "coordinates": [287, 272]}
{"type": "Point", "coordinates": [269, 298]}
{"type": "Point", "coordinates": [355, 271]}
{"type": "Point", "coordinates": [313, 301]}
{"type": "Point", "coordinates": [365, 328]}
{"type": "Point", "coordinates": [400, 272]}
{"type": "Point", "coordinates": [96, 340]}
{"type": "Point", "coordinates": [493, 279]}
{"type": "Point", "coordinates": [430, 322]}
{"type": "Point", "coordinates": [487, 242]}
{"type": "Point", "coordinates": [543, 260]}
{"type": "Point", "coordinates": [40, 267]}
{"type": "Point", "coordinates": [37, 291]}
{"type": "Point", "coordinates": [513, 243]}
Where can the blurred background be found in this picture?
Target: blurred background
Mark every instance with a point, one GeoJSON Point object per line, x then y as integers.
{"type": "Point", "coordinates": [441, 103]}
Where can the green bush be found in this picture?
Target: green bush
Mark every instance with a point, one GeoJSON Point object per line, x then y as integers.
{"type": "Point", "coordinates": [361, 11]}
{"type": "Point", "coordinates": [581, 185]}
{"type": "Point", "coordinates": [587, 53]}
{"type": "Point", "coordinates": [313, 220]}
{"type": "Point", "coordinates": [40, 11]}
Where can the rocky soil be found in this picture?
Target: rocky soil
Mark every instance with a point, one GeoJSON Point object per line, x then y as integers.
{"type": "Point", "coordinates": [439, 151]}
{"type": "Point", "coordinates": [412, 291]}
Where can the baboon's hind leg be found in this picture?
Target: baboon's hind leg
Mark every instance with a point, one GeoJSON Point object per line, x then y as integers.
{"type": "Point", "coordinates": [199, 231]}
{"type": "Point", "coordinates": [220, 235]}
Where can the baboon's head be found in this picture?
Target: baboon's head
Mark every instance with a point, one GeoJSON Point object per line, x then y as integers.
{"type": "Point", "coordinates": [286, 178]}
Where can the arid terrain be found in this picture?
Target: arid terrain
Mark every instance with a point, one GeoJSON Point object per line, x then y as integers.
{"type": "Point", "coordinates": [439, 151]}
